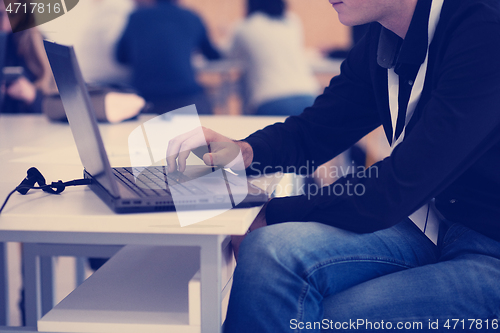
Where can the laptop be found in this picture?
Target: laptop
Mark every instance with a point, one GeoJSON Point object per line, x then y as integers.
{"type": "Point", "coordinates": [146, 188]}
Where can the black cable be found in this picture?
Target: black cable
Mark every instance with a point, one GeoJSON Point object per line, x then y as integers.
{"type": "Point", "coordinates": [53, 188]}
{"type": "Point", "coordinates": [7, 199]}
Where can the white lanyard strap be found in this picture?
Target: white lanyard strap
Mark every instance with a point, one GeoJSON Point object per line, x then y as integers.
{"type": "Point", "coordinates": [425, 217]}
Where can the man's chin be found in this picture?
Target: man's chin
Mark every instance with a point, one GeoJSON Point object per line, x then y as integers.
{"type": "Point", "coordinates": [349, 22]}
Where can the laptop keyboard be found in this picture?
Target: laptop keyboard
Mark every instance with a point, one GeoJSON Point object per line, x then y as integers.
{"type": "Point", "coordinates": [155, 181]}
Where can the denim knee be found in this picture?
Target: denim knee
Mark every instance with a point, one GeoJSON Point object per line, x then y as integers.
{"type": "Point", "coordinates": [261, 244]}
{"type": "Point", "coordinates": [276, 247]}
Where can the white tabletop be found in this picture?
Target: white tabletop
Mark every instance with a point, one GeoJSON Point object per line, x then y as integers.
{"type": "Point", "coordinates": [77, 215]}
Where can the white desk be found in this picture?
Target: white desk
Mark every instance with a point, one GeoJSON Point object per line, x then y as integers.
{"type": "Point", "coordinates": [79, 217]}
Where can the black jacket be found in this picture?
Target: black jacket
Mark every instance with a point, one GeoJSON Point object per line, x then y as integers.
{"type": "Point", "coordinates": [451, 150]}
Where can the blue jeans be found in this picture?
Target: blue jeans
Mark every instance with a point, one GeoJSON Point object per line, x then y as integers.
{"type": "Point", "coordinates": [309, 277]}
{"type": "Point", "coordinates": [287, 106]}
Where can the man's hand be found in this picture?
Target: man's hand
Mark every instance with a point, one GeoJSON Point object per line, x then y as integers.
{"type": "Point", "coordinates": [221, 150]}
{"type": "Point", "coordinates": [258, 222]}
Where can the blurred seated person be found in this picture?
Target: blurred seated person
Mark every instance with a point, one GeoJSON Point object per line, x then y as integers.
{"type": "Point", "coordinates": [278, 79]}
{"type": "Point", "coordinates": [93, 29]}
{"type": "Point", "coordinates": [24, 51]}
{"type": "Point", "coordinates": [158, 43]}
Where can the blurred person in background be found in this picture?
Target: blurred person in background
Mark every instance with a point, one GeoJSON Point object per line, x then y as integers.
{"type": "Point", "coordinates": [24, 51]}
{"type": "Point", "coordinates": [93, 28]}
{"type": "Point", "coordinates": [158, 43]}
{"type": "Point", "coordinates": [278, 79]}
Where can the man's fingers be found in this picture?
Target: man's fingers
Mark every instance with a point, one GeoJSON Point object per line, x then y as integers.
{"type": "Point", "coordinates": [172, 153]}
{"type": "Point", "coordinates": [181, 159]}
{"type": "Point", "coordinates": [220, 158]}
{"type": "Point", "coordinates": [200, 151]}
{"type": "Point", "coordinates": [221, 152]}
{"type": "Point", "coordinates": [190, 144]}
{"type": "Point", "coordinates": [208, 159]}
{"type": "Point", "coordinates": [186, 141]}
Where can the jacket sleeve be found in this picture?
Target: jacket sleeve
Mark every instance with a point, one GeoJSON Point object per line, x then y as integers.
{"type": "Point", "coordinates": [458, 124]}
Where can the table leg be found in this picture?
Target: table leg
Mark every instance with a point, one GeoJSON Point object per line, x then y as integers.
{"type": "Point", "coordinates": [210, 262]}
{"type": "Point", "coordinates": [31, 284]}
{"type": "Point", "coordinates": [80, 270]}
{"type": "Point", "coordinates": [46, 283]}
{"type": "Point", "coordinates": [38, 273]}
{"type": "Point", "coordinates": [4, 299]}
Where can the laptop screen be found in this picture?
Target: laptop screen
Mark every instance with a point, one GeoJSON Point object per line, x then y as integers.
{"type": "Point", "coordinates": [80, 113]}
